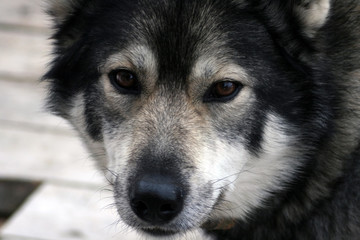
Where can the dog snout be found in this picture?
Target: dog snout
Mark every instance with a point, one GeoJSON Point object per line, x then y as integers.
{"type": "Point", "coordinates": [156, 199]}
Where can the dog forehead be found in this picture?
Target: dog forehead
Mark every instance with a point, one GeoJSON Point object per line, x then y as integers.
{"type": "Point", "coordinates": [180, 34]}
{"type": "Point", "coordinates": [180, 40]}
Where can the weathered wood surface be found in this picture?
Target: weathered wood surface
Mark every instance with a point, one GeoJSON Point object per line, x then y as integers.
{"type": "Point", "coordinates": [81, 213]}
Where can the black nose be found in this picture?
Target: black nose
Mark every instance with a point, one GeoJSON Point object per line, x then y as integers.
{"type": "Point", "coordinates": [156, 199]}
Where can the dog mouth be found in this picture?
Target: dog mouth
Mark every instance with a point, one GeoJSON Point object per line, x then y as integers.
{"type": "Point", "coordinates": [158, 232]}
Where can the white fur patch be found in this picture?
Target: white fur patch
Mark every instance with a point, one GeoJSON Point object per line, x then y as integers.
{"type": "Point", "coordinates": [118, 149]}
{"type": "Point", "coordinates": [251, 179]}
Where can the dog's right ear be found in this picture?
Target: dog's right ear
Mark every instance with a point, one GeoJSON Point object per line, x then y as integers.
{"type": "Point", "coordinates": [61, 10]}
{"type": "Point", "coordinates": [68, 18]}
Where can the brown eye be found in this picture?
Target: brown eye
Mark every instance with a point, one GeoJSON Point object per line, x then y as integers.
{"type": "Point", "coordinates": [125, 81]}
{"type": "Point", "coordinates": [222, 91]}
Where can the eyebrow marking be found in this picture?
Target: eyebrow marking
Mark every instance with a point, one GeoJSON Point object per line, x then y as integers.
{"type": "Point", "coordinates": [137, 57]}
{"type": "Point", "coordinates": [213, 68]}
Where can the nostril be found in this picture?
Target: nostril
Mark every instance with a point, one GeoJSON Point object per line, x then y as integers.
{"type": "Point", "coordinates": [167, 208]}
{"type": "Point", "coordinates": [140, 208]}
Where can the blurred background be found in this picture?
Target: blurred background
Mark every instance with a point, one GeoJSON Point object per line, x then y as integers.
{"type": "Point", "coordinates": [49, 188]}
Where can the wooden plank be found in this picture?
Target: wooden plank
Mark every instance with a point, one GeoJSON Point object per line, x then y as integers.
{"type": "Point", "coordinates": [23, 56]}
{"type": "Point", "coordinates": [60, 212]}
{"type": "Point", "coordinates": [23, 12]}
{"type": "Point", "coordinates": [45, 156]}
{"type": "Point", "coordinates": [8, 237]}
{"type": "Point", "coordinates": [23, 103]}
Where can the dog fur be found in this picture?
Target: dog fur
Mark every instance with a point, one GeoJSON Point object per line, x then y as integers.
{"type": "Point", "coordinates": [278, 158]}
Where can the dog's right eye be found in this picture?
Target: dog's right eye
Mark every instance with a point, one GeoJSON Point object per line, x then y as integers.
{"type": "Point", "coordinates": [125, 81]}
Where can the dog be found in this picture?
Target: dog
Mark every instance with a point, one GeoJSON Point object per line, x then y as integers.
{"type": "Point", "coordinates": [239, 118]}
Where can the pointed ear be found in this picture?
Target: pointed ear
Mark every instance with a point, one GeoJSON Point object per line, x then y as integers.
{"type": "Point", "coordinates": [60, 10]}
{"type": "Point", "coordinates": [69, 18]}
{"type": "Point", "coordinates": [312, 15]}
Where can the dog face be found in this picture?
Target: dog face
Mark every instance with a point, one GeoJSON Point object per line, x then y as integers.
{"type": "Point", "coordinates": [192, 108]}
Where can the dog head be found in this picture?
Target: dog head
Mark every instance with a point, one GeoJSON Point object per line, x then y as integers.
{"type": "Point", "coordinates": [195, 110]}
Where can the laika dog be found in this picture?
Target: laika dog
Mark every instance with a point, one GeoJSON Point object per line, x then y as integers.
{"type": "Point", "coordinates": [237, 117]}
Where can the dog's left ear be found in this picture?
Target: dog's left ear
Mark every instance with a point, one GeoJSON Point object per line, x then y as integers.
{"type": "Point", "coordinates": [311, 14]}
{"type": "Point", "coordinates": [295, 24]}
{"type": "Point", "coordinates": [306, 16]}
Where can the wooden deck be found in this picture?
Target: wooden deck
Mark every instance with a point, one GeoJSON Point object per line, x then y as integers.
{"type": "Point", "coordinates": [71, 202]}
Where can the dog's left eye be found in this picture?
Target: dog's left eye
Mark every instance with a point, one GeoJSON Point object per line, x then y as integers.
{"type": "Point", "coordinates": [125, 81]}
{"type": "Point", "coordinates": [222, 91]}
